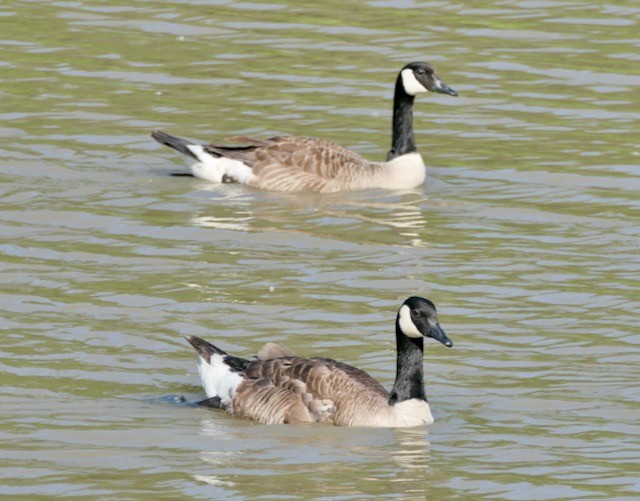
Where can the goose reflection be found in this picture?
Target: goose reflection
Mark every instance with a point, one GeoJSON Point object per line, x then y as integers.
{"type": "Point", "coordinates": [217, 461]}
{"type": "Point", "coordinates": [403, 213]}
{"type": "Point", "coordinates": [412, 451]}
{"type": "Point", "coordinates": [248, 460]}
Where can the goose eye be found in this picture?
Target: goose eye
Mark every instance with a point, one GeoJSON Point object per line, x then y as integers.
{"type": "Point", "coordinates": [420, 72]}
{"type": "Point", "coordinates": [415, 313]}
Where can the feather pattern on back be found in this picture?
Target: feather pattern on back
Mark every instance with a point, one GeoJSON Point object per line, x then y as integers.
{"type": "Point", "coordinates": [292, 163]}
{"type": "Point", "coordinates": [274, 350]}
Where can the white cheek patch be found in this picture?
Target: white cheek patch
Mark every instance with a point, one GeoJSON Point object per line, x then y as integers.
{"type": "Point", "coordinates": [411, 84]}
{"type": "Point", "coordinates": [407, 326]}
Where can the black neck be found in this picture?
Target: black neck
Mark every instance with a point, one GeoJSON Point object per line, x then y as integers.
{"type": "Point", "coordinates": [403, 140]}
{"type": "Point", "coordinates": [409, 376]}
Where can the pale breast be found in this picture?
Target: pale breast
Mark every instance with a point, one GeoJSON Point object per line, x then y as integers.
{"type": "Point", "coordinates": [413, 412]}
{"type": "Point", "coordinates": [404, 172]}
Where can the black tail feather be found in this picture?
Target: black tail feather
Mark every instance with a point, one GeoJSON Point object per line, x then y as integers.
{"type": "Point", "coordinates": [204, 348]}
{"type": "Point", "coordinates": [214, 402]}
{"type": "Point", "coordinates": [176, 143]}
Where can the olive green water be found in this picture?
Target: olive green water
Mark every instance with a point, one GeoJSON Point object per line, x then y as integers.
{"type": "Point", "coordinates": [526, 235]}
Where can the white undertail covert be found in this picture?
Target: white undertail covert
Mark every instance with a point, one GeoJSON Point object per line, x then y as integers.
{"type": "Point", "coordinates": [213, 168]}
{"type": "Point", "coordinates": [218, 380]}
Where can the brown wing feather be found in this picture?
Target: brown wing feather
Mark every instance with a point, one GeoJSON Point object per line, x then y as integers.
{"type": "Point", "coordinates": [313, 156]}
{"type": "Point", "coordinates": [262, 401]}
{"type": "Point", "coordinates": [292, 389]}
{"type": "Point", "coordinates": [274, 350]}
{"type": "Point", "coordinates": [290, 163]}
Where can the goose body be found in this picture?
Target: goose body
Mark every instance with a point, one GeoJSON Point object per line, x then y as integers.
{"type": "Point", "coordinates": [294, 163]}
{"type": "Point", "coordinates": [279, 387]}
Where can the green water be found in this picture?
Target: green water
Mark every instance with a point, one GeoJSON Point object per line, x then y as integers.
{"type": "Point", "coordinates": [526, 235]}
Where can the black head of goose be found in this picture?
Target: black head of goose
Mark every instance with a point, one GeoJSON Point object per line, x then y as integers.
{"type": "Point", "coordinates": [278, 387]}
{"type": "Point", "coordinates": [294, 163]}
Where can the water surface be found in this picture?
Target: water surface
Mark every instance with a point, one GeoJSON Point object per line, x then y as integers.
{"type": "Point", "coordinates": [526, 235]}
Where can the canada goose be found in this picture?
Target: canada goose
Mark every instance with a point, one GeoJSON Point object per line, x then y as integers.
{"type": "Point", "coordinates": [292, 163]}
{"type": "Point", "coordinates": [279, 388]}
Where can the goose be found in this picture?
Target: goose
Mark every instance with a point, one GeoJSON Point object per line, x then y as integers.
{"type": "Point", "coordinates": [280, 388]}
{"type": "Point", "coordinates": [294, 163]}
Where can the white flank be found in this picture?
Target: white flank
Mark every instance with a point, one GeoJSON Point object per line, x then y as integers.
{"type": "Point", "coordinates": [212, 168]}
{"type": "Point", "coordinates": [411, 84]}
{"type": "Point", "coordinates": [218, 380]}
{"type": "Point", "coordinates": [407, 326]}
